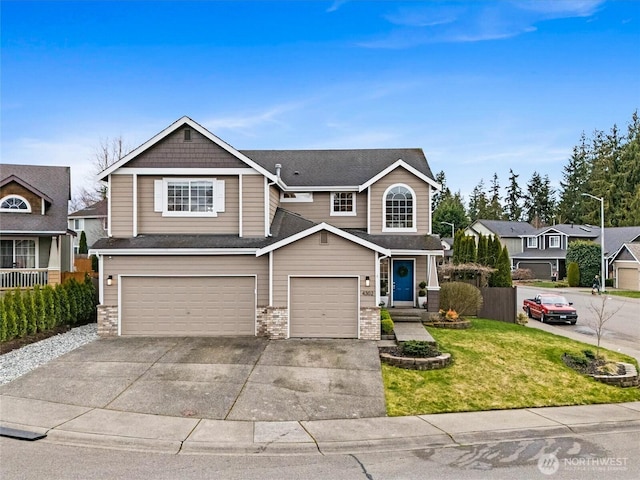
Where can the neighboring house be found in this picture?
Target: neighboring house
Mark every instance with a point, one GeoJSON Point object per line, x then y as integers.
{"type": "Point", "coordinates": [35, 245]}
{"type": "Point", "coordinates": [544, 250]}
{"type": "Point", "coordinates": [204, 239]}
{"type": "Point", "coordinates": [626, 266]}
{"type": "Point", "coordinates": [92, 221]}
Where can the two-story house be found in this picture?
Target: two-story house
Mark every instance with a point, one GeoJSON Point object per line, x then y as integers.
{"type": "Point", "coordinates": [35, 245]}
{"type": "Point", "coordinates": [91, 220]}
{"type": "Point", "coordinates": [204, 239]}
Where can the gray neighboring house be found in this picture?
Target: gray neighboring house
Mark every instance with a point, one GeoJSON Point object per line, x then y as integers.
{"type": "Point", "coordinates": [92, 221]}
{"type": "Point", "coordinates": [207, 240]}
{"type": "Point", "coordinates": [544, 250]}
{"type": "Point", "coordinates": [35, 244]}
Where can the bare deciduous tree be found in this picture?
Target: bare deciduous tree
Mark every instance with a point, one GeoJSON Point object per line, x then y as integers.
{"type": "Point", "coordinates": [108, 152]}
{"type": "Point", "coordinates": [601, 316]}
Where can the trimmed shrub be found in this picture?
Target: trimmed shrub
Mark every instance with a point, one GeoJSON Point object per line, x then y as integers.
{"type": "Point", "coordinates": [21, 316]}
{"type": "Point", "coordinates": [419, 348]}
{"type": "Point", "coordinates": [464, 298]}
{"type": "Point", "coordinates": [39, 309]}
{"type": "Point", "coordinates": [94, 263]}
{"type": "Point", "coordinates": [63, 314]}
{"type": "Point", "coordinates": [384, 314]}
{"type": "Point", "coordinates": [11, 319]}
{"type": "Point", "coordinates": [29, 312]}
{"type": "Point", "coordinates": [82, 245]}
{"type": "Point", "coordinates": [386, 326]}
{"type": "Point", "coordinates": [72, 296]}
{"type": "Point", "coordinates": [588, 256]}
{"type": "Point", "coordinates": [3, 322]}
{"type": "Point", "coordinates": [573, 274]}
{"type": "Point", "coordinates": [49, 301]}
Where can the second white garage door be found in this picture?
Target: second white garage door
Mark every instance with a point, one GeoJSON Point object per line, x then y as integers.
{"type": "Point", "coordinates": [188, 306]}
{"type": "Point", "coordinates": [628, 278]}
{"type": "Point", "coordinates": [323, 307]}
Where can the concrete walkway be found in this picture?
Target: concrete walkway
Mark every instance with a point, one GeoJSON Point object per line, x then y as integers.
{"type": "Point", "coordinates": [406, 331]}
{"type": "Point", "coordinates": [95, 427]}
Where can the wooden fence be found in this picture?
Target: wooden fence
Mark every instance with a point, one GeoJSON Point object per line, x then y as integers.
{"type": "Point", "coordinates": [499, 303]}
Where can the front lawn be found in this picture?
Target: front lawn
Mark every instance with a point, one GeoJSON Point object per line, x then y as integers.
{"type": "Point", "coordinates": [499, 365]}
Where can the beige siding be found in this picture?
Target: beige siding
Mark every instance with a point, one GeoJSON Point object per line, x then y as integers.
{"type": "Point", "coordinates": [174, 152]}
{"type": "Point", "coordinates": [121, 194]}
{"type": "Point", "coordinates": [186, 265]}
{"type": "Point", "coordinates": [253, 206]}
{"type": "Point", "coordinates": [151, 222]}
{"type": "Point", "coordinates": [421, 203]}
{"type": "Point", "coordinates": [274, 201]}
{"type": "Point", "coordinates": [309, 257]}
{"type": "Point", "coordinates": [320, 211]}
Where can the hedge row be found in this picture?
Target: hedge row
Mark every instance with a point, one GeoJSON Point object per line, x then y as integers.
{"type": "Point", "coordinates": [25, 312]}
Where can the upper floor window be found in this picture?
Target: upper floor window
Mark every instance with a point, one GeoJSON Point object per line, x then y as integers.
{"type": "Point", "coordinates": [399, 209]}
{"type": "Point", "coordinates": [554, 241]}
{"type": "Point", "coordinates": [196, 197]}
{"type": "Point", "coordinates": [343, 203]}
{"type": "Point", "coordinates": [296, 197]}
{"type": "Point", "coordinates": [532, 242]}
{"type": "Point", "coordinates": [15, 203]}
{"type": "Point", "coordinates": [76, 224]}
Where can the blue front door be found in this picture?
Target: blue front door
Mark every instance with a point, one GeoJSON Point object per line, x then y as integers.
{"type": "Point", "coordinates": [403, 281]}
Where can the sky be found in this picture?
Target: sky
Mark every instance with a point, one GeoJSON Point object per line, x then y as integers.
{"type": "Point", "coordinates": [481, 86]}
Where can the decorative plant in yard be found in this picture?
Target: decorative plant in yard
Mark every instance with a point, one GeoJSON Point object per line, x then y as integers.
{"type": "Point", "coordinates": [447, 319]}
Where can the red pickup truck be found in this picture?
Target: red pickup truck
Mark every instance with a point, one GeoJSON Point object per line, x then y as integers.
{"type": "Point", "coordinates": [549, 307]}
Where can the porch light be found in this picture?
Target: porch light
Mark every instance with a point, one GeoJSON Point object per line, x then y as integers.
{"type": "Point", "coordinates": [110, 280]}
{"type": "Point", "coordinates": [367, 281]}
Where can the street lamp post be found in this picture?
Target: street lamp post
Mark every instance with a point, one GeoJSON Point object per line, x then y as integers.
{"type": "Point", "coordinates": [453, 227]}
{"type": "Point", "coordinates": [603, 272]}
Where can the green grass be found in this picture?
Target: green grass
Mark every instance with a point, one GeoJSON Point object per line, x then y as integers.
{"type": "Point", "coordinates": [624, 293]}
{"type": "Point", "coordinates": [499, 366]}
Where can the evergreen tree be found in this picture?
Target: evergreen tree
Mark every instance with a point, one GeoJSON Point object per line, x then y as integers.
{"type": "Point", "coordinates": [444, 192]}
{"type": "Point", "coordinates": [458, 245]}
{"type": "Point", "coordinates": [482, 250]}
{"type": "Point", "coordinates": [21, 315]}
{"type": "Point", "coordinates": [478, 203]}
{"type": "Point", "coordinates": [502, 276]}
{"type": "Point", "coordinates": [10, 315]}
{"type": "Point", "coordinates": [493, 251]}
{"type": "Point", "coordinates": [451, 210]}
{"type": "Point", "coordinates": [575, 176]}
{"type": "Point", "coordinates": [29, 312]}
{"type": "Point", "coordinates": [513, 208]}
{"type": "Point", "coordinates": [83, 249]}
{"type": "Point", "coordinates": [539, 204]}
{"type": "Point", "coordinates": [494, 207]}
{"type": "Point", "coordinates": [39, 309]}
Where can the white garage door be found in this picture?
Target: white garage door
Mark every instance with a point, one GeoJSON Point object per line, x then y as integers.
{"type": "Point", "coordinates": [628, 278]}
{"type": "Point", "coordinates": [188, 306]}
{"type": "Point", "coordinates": [324, 307]}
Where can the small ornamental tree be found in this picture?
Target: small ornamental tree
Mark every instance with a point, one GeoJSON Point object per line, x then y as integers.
{"type": "Point", "coordinates": [83, 249]}
{"type": "Point", "coordinates": [588, 256]}
{"type": "Point", "coordinates": [573, 274]}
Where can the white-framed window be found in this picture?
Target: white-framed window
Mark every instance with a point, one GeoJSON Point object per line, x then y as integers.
{"type": "Point", "coordinates": [15, 204]}
{"type": "Point", "coordinates": [554, 241]}
{"type": "Point", "coordinates": [18, 253]}
{"type": "Point", "coordinates": [399, 209]}
{"type": "Point", "coordinates": [532, 242]}
{"type": "Point", "coordinates": [343, 204]}
{"type": "Point", "coordinates": [189, 197]}
{"type": "Point", "coordinates": [76, 224]}
{"type": "Point", "coordinates": [296, 197]}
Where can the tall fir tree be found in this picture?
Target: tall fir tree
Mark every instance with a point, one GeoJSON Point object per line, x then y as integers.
{"type": "Point", "coordinates": [478, 203]}
{"type": "Point", "coordinates": [513, 205]}
{"type": "Point", "coordinates": [575, 176]}
{"type": "Point", "coordinates": [494, 207]}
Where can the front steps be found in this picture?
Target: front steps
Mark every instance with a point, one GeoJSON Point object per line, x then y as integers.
{"type": "Point", "coordinates": [407, 325]}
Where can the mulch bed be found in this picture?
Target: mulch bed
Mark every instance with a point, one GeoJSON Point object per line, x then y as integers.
{"type": "Point", "coordinates": [397, 352]}
{"type": "Point", "coordinates": [594, 366]}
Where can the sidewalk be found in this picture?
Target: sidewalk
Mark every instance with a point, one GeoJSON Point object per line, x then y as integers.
{"type": "Point", "coordinates": [94, 427]}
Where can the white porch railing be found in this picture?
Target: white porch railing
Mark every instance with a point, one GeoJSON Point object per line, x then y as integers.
{"type": "Point", "coordinates": [22, 277]}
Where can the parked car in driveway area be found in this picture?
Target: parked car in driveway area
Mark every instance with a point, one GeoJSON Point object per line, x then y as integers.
{"type": "Point", "coordinates": [550, 307]}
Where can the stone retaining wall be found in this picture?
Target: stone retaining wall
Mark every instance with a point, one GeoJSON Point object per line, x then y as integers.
{"type": "Point", "coordinates": [431, 363]}
{"type": "Point", "coordinates": [629, 379]}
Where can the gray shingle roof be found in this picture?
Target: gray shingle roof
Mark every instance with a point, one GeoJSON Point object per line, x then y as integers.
{"type": "Point", "coordinates": [401, 242]}
{"type": "Point", "coordinates": [54, 182]}
{"type": "Point", "coordinates": [615, 237]}
{"type": "Point", "coordinates": [98, 209]}
{"type": "Point", "coordinates": [505, 228]}
{"type": "Point", "coordinates": [319, 168]}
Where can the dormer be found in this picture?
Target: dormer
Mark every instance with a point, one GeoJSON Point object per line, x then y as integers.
{"type": "Point", "coordinates": [18, 196]}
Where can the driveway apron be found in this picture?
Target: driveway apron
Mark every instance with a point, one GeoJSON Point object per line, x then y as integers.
{"type": "Point", "coordinates": [234, 378]}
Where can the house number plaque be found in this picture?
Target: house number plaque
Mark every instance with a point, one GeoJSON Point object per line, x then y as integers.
{"type": "Point", "coordinates": [367, 293]}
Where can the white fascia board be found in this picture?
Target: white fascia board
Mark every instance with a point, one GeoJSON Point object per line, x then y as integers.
{"type": "Point", "coordinates": [186, 171]}
{"type": "Point", "coordinates": [172, 128]}
{"type": "Point", "coordinates": [406, 166]}
{"type": "Point", "coordinates": [318, 228]}
{"type": "Point", "coordinates": [422, 253]}
{"type": "Point", "coordinates": [326, 188]}
{"type": "Point", "coordinates": [32, 232]}
{"type": "Point", "coordinates": [172, 251]}
{"type": "Point", "coordinates": [623, 246]}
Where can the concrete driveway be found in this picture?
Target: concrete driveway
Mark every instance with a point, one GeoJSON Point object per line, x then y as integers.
{"type": "Point", "coordinates": [230, 378]}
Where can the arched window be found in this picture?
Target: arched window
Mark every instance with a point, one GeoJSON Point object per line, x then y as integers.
{"type": "Point", "coordinates": [399, 209]}
{"type": "Point", "coordinates": [15, 203]}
